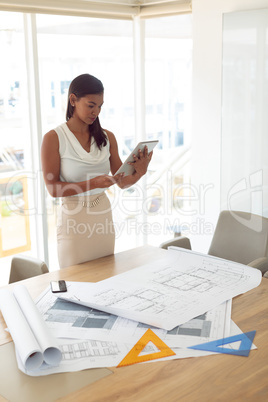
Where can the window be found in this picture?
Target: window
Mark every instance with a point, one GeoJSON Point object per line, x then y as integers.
{"type": "Point", "coordinates": [16, 189]}
{"type": "Point", "coordinates": [69, 46]}
{"type": "Point", "coordinates": [168, 69]}
{"type": "Point", "coordinates": [66, 47]}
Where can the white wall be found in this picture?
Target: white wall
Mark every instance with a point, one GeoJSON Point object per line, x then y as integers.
{"type": "Point", "coordinates": [206, 134]}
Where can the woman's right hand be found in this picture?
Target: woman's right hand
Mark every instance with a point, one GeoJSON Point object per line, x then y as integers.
{"type": "Point", "coordinates": [105, 180]}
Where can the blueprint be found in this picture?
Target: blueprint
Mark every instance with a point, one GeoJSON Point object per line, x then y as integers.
{"type": "Point", "coordinates": [167, 292]}
{"type": "Point", "coordinates": [80, 354]}
{"type": "Point", "coordinates": [90, 338]}
{"type": "Point", "coordinates": [70, 320]}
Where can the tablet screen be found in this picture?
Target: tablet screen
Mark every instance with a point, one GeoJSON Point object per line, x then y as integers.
{"type": "Point", "coordinates": [128, 169]}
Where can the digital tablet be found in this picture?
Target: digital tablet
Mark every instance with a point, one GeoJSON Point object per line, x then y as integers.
{"type": "Point", "coordinates": [128, 169]}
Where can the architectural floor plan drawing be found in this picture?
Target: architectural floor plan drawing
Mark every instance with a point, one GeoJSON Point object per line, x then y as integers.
{"type": "Point", "coordinates": [70, 320]}
{"type": "Point", "coordinates": [89, 338]}
{"type": "Point", "coordinates": [168, 292]}
{"type": "Point", "coordinates": [88, 348]}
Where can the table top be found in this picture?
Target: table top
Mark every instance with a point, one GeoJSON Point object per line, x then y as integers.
{"type": "Point", "coordinates": [220, 377]}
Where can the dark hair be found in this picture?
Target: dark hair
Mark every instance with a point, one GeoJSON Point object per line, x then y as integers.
{"type": "Point", "coordinates": [81, 86]}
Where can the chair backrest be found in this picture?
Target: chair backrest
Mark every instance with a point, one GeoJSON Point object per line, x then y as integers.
{"type": "Point", "coordinates": [240, 236]}
{"type": "Point", "coordinates": [23, 267]}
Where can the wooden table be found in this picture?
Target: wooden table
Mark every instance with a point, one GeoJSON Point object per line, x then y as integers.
{"type": "Point", "coordinates": [211, 378]}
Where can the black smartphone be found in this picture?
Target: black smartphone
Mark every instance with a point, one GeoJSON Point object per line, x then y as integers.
{"type": "Point", "coordinates": [58, 286]}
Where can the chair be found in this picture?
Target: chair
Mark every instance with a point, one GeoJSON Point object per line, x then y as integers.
{"type": "Point", "coordinates": [239, 236]}
{"type": "Point", "coordinates": [23, 267]}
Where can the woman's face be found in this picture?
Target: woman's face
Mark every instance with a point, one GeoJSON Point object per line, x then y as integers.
{"type": "Point", "coordinates": [87, 108]}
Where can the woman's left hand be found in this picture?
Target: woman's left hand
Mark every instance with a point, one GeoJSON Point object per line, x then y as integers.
{"type": "Point", "coordinates": [141, 161]}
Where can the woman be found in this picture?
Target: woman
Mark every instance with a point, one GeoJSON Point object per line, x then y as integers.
{"type": "Point", "coordinates": [76, 159]}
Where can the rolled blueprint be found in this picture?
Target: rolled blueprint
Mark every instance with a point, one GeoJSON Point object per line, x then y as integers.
{"type": "Point", "coordinates": [33, 342]}
{"type": "Point", "coordinates": [28, 349]}
{"type": "Point", "coordinates": [48, 344]}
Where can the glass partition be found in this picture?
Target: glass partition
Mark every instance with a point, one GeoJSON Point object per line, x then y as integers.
{"type": "Point", "coordinates": [244, 175]}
